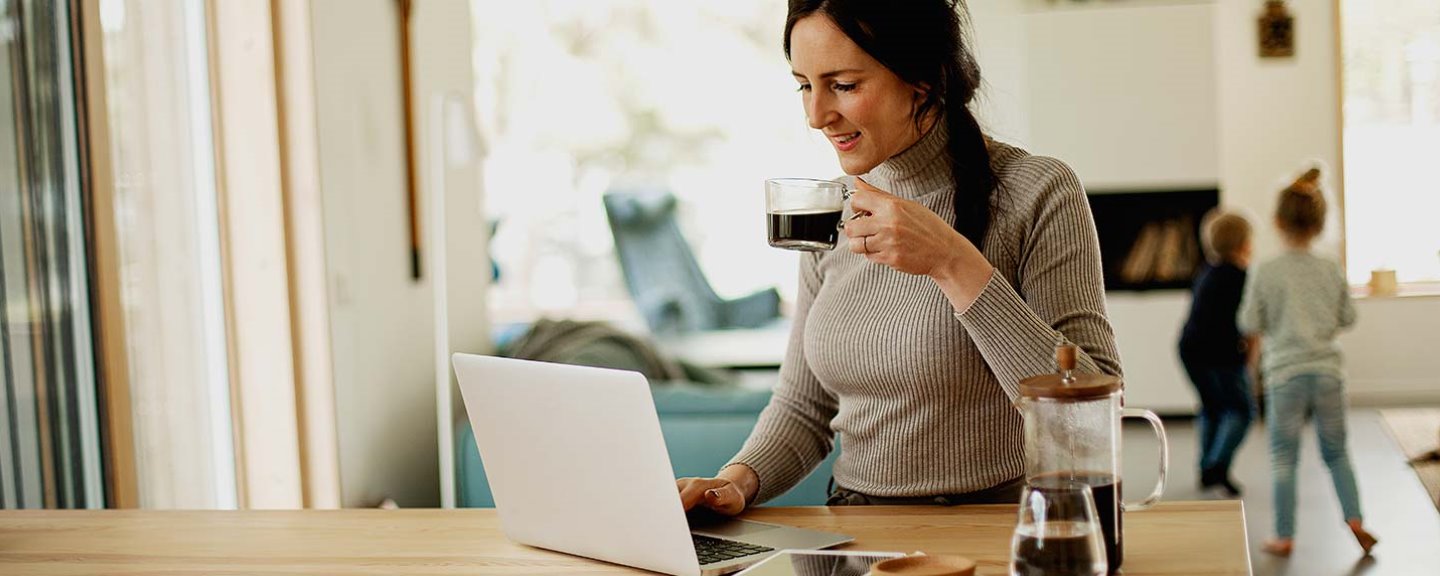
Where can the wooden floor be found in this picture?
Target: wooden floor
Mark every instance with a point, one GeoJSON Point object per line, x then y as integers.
{"type": "Point", "coordinates": [1396, 506]}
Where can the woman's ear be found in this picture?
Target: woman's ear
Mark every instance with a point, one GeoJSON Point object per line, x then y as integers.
{"type": "Point", "coordinates": [922, 91]}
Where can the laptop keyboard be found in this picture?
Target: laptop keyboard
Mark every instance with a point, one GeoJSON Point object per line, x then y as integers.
{"type": "Point", "coordinates": [712, 550]}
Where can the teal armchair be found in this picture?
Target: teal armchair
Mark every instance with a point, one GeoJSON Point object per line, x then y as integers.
{"type": "Point", "coordinates": [663, 276]}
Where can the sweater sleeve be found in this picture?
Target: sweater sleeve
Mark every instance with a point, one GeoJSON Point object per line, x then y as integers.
{"type": "Point", "coordinates": [1059, 293]}
{"type": "Point", "coordinates": [793, 434]}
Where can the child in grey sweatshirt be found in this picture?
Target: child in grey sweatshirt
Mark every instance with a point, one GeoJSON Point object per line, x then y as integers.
{"type": "Point", "coordinates": [1298, 302]}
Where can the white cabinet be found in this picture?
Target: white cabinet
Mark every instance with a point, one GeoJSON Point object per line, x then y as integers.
{"type": "Point", "coordinates": [1147, 331]}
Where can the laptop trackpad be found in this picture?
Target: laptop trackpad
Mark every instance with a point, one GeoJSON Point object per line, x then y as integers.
{"type": "Point", "coordinates": [732, 529]}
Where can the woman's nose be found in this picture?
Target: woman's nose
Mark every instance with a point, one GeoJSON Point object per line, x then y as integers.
{"type": "Point", "coordinates": [818, 111]}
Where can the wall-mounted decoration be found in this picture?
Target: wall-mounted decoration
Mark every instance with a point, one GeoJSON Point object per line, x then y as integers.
{"type": "Point", "coordinates": [1277, 31]}
{"type": "Point", "coordinates": [407, 94]}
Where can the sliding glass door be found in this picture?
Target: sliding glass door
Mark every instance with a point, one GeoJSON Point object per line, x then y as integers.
{"type": "Point", "coordinates": [49, 429]}
{"type": "Point", "coordinates": [157, 206]}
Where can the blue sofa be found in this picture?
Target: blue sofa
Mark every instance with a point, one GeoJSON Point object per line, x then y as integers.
{"type": "Point", "coordinates": [704, 425]}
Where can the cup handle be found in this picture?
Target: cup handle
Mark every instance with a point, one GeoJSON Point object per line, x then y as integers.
{"type": "Point", "coordinates": [1164, 458]}
{"type": "Point", "coordinates": [845, 195]}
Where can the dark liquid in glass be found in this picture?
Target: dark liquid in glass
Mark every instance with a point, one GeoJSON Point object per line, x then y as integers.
{"type": "Point", "coordinates": [806, 229]}
{"type": "Point", "coordinates": [1063, 550]}
{"type": "Point", "coordinates": [1104, 487]}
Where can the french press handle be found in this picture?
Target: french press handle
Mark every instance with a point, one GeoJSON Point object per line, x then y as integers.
{"type": "Point", "coordinates": [1159, 428]}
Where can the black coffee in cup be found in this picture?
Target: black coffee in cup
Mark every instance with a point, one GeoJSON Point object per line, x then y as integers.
{"type": "Point", "coordinates": [804, 229]}
{"type": "Point", "coordinates": [804, 214]}
{"type": "Point", "coordinates": [1063, 550]}
{"type": "Point", "coordinates": [1104, 488]}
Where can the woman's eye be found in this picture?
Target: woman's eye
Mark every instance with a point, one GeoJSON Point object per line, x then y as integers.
{"type": "Point", "coordinates": [839, 87]}
{"type": "Point", "coordinates": [803, 88]}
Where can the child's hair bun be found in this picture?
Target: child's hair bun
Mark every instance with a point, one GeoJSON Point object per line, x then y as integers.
{"type": "Point", "coordinates": [1307, 182]}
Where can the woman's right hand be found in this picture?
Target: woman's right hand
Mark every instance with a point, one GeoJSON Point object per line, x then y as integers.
{"type": "Point", "coordinates": [726, 493]}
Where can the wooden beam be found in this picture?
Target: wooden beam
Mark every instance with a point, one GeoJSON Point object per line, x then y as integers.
{"type": "Point", "coordinates": [111, 347]}
{"type": "Point", "coordinates": [305, 247]}
{"type": "Point", "coordinates": [253, 255]}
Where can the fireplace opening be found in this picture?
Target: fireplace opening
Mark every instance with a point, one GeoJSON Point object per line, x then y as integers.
{"type": "Point", "coordinates": [1150, 239]}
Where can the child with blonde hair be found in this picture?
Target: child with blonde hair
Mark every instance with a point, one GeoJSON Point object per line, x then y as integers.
{"type": "Point", "coordinates": [1298, 302]}
{"type": "Point", "coordinates": [1213, 350]}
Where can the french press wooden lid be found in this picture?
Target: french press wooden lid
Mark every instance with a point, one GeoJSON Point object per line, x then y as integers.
{"type": "Point", "coordinates": [941, 565]}
{"type": "Point", "coordinates": [1067, 385]}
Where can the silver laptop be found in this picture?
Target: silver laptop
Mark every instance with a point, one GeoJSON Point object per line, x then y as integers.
{"type": "Point", "coordinates": [577, 464]}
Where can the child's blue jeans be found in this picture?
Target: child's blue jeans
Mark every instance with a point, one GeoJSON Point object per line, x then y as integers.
{"type": "Point", "coordinates": [1226, 410]}
{"type": "Point", "coordinates": [1286, 406]}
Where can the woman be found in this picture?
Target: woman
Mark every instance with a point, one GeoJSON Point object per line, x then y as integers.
{"type": "Point", "coordinates": [972, 261]}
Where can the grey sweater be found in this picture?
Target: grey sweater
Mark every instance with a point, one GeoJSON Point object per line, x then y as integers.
{"type": "Point", "coordinates": [922, 403]}
{"type": "Point", "coordinates": [1299, 302]}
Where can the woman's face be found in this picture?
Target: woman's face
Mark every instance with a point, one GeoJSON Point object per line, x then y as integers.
{"type": "Point", "coordinates": [864, 109]}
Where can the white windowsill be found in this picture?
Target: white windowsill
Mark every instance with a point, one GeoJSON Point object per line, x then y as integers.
{"type": "Point", "coordinates": [1406, 290]}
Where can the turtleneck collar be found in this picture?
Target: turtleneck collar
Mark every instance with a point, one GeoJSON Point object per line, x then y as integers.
{"type": "Point", "coordinates": [919, 170]}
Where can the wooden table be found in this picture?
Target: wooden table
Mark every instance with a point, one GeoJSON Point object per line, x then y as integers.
{"type": "Point", "coordinates": [1192, 538]}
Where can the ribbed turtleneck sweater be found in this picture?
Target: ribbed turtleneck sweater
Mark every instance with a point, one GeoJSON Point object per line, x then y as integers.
{"type": "Point", "coordinates": [923, 402]}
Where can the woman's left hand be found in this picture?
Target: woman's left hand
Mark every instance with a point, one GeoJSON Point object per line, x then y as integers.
{"type": "Point", "coordinates": [909, 237]}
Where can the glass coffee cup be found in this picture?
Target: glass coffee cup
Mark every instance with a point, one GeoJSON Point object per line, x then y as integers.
{"type": "Point", "coordinates": [804, 213]}
{"type": "Point", "coordinates": [1058, 533]}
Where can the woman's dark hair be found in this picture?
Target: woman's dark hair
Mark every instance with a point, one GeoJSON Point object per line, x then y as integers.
{"type": "Point", "coordinates": [922, 42]}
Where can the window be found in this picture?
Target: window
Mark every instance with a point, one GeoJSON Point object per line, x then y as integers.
{"type": "Point", "coordinates": [1391, 102]}
{"type": "Point", "coordinates": [583, 96]}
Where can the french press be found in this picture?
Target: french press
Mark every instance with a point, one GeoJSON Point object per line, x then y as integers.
{"type": "Point", "coordinates": [1072, 432]}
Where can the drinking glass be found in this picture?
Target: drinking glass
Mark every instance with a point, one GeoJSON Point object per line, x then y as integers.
{"type": "Point", "coordinates": [1058, 534]}
{"type": "Point", "coordinates": [803, 213]}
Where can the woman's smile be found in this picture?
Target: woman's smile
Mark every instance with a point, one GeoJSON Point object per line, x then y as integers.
{"type": "Point", "coordinates": [846, 142]}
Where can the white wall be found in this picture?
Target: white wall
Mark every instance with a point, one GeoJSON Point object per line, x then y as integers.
{"type": "Point", "coordinates": [998, 38]}
{"type": "Point", "coordinates": [1125, 94]}
{"type": "Point", "coordinates": [1390, 354]}
{"type": "Point", "coordinates": [382, 322]}
{"type": "Point", "coordinates": [1147, 333]}
{"type": "Point", "coordinates": [1276, 114]}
